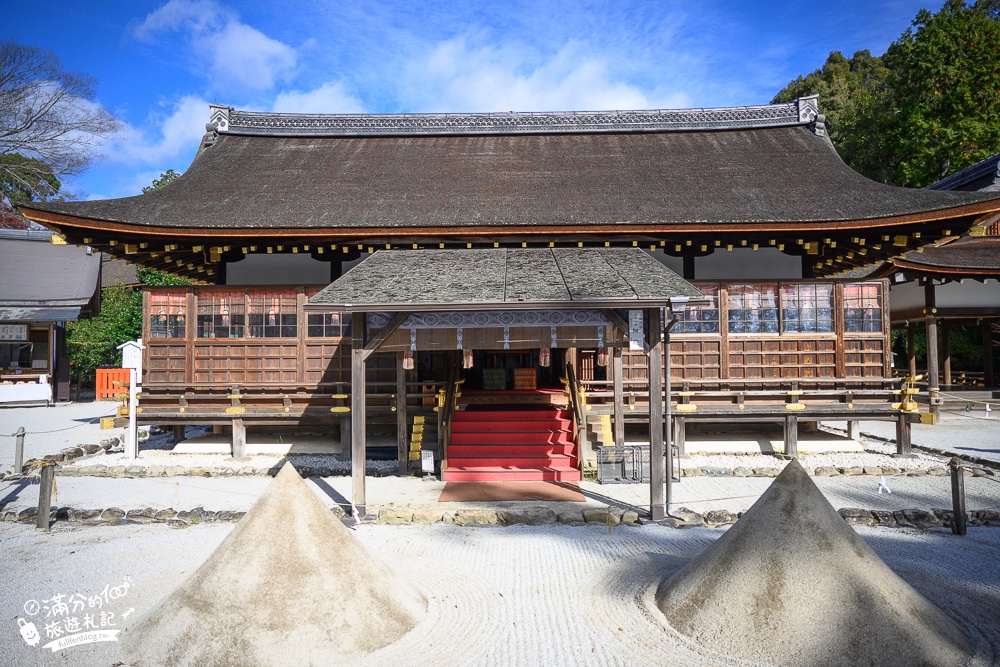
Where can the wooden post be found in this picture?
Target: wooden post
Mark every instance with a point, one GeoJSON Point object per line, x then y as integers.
{"type": "Point", "coordinates": [657, 487]}
{"type": "Point", "coordinates": [19, 450]}
{"type": "Point", "coordinates": [680, 434]}
{"type": "Point", "coordinates": [933, 383]}
{"type": "Point", "coordinates": [903, 442]}
{"type": "Point", "coordinates": [402, 441]}
{"type": "Point", "coordinates": [987, 335]}
{"type": "Point", "coordinates": [945, 354]}
{"type": "Point", "coordinates": [239, 439]}
{"type": "Point", "coordinates": [792, 436]}
{"type": "Point", "coordinates": [854, 429]}
{"type": "Point", "coordinates": [358, 400]}
{"type": "Point", "coordinates": [132, 446]}
{"type": "Point", "coordinates": [619, 396]}
{"type": "Point", "coordinates": [911, 350]}
{"type": "Point", "coordinates": [45, 495]}
{"type": "Point", "coordinates": [178, 433]}
{"type": "Point", "coordinates": [958, 517]}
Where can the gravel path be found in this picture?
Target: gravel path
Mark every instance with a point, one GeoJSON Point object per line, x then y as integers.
{"type": "Point", "coordinates": [552, 595]}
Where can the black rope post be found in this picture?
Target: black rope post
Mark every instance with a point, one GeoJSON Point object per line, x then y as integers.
{"type": "Point", "coordinates": [46, 474]}
{"type": "Point", "coordinates": [957, 496]}
{"type": "Point", "coordinates": [19, 450]}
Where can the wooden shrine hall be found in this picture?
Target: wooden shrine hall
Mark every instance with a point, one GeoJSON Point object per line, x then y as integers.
{"type": "Point", "coordinates": [751, 206]}
{"type": "Point", "coordinates": [535, 299]}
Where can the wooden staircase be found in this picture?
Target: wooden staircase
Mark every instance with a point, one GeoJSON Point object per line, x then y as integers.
{"type": "Point", "coordinates": [512, 443]}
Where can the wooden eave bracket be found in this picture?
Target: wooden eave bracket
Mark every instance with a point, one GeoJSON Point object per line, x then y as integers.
{"type": "Point", "coordinates": [376, 342]}
{"type": "Point", "coordinates": [983, 223]}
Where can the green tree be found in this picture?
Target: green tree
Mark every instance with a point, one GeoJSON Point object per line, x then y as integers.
{"type": "Point", "coordinates": [94, 342]}
{"type": "Point", "coordinates": [924, 109]}
{"type": "Point", "coordinates": [837, 83]}
{"type": "Point", "coordinates": [945, 81]}
{"type": "Point", "coordinates": [166, 177]}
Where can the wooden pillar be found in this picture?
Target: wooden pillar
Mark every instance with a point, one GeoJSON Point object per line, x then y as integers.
{"type": "Point", "coordinates": [945, 354]}
{"type": "Point", "coordinates": [680, 434]}
{"type": "Point", "coordinates": [402, 441]}
{"type": "Point", "coordinates": [619, 396]}
{"type": "Point", "coordinates": [792, 436]}
{"type": "Point", "coordinates": [359, 327]}
{"type": "Point", "coordinates": [903, 441]}
{"type": "Point", "coordinates": [178, 433]}
{"type": "Point", "coordinates": [854, 429]}
{"type": "Point", "coordinates": [933, 384]}
{"type": "Point", "coordinates": [911, 350]}
{"type": "Point", "coordinates": [987, 334]}
{"type": "Point", "coordinates": [46, 474]}
{"type": "Point", "coordinates": [239, 439]}
{"type": "Point", "coordinates": [657, 488]}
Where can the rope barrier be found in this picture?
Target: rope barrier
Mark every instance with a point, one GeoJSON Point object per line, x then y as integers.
{"type": "Point", "coordinates": [60, 430]}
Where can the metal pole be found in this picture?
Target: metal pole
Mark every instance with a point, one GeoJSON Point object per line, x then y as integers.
{"type": "Point", "coordinates": [45, 495]}
{"type": "Point", "coordinates": [957, 497]}
{"type": "Point", "coordinates": [19, 450]}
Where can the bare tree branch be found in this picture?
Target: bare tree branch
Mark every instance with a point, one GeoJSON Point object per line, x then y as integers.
{"type": "Point", "coordinates": [50, 121]}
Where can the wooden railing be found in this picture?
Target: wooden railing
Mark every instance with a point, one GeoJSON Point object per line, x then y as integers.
{"type": "Point", "coordinates": [105, 383]}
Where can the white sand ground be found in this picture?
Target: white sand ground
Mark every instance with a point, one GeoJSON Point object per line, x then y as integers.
{"type": "Point", "coordinates": [553, 595]}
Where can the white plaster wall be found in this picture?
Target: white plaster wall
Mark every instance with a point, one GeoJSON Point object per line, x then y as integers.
{"type": "Point", "coordinates": [283, 269]}
{"type": "Point", "coordinates": [748, 264]}
{"type": "Point", "coordinates": [966, 294]}
{"type": "Point", "coordinates": [905, 296]}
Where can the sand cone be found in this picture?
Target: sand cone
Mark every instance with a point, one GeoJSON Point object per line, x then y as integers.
{"type": "Point", "coordinates": [290, 585]}
{"type": "Point", "coordinates": [791, 583]}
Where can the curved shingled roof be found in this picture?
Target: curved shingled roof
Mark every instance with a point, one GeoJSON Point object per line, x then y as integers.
{"type": "Point", "coordinates": [751, 168]}
{"type": "Point", "coordinates": [969, 255]}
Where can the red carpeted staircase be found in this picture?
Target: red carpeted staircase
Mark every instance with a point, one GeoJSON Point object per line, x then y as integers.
{"type": "Point", "coordinates": [512, 443]}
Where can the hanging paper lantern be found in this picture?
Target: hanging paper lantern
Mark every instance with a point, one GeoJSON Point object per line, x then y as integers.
{"type": "Point", "coordinates": [466, 358]}
{"type": "Point", "coordinates": [408, 360]}
{"type": "Point", "coordinates": [602, 356]}
{"type": "Point", "coordinates": [545, 357]}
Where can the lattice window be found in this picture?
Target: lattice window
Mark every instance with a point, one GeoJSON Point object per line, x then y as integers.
{"type": "Point", "coordinates": [167, 316]}
{"type": "Point", "coordinates": [329, 325]}
{"type": "Point", "coordinates": [753, 309]}
{"type": "Point", "coordinates": [806, 308]}
{"type": "Point", "coordinates": [863, 308]}
{"type": "Point", "coordinates": [700, 319]}
{"type": "Point", "coordinates": [271, 314]}
{"type": "Point", "coordinates": [221, 314]}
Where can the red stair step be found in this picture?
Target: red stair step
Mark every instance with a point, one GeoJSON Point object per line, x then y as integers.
{"type": "Point", "coordinates": [513, 426]}
{"type": "Point", "coordinates": [565, 449]}
{"type": "Point", "coordinates": [491, 461]}
{"type": "Point", "coordinates": [507, 475]}
{"type": "Point", "coordinates": [494, 438]}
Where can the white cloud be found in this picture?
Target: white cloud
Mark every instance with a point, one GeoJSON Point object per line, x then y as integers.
{"type": "Point", "coordinates": [457, 76]}
{"type": "Point", "coordinates": [233, 54]}
{"type": "Point", "coordinates": [331, 97]}
{"type": "Point", "coordinates": [174, 135]}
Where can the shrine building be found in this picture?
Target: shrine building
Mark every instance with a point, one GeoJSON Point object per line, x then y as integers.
{"type": "Point", "coordinates": [504, 290]}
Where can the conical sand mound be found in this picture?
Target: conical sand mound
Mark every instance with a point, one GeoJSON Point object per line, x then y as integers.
{"type": "Point", "coordinates": [792, 584]}
{"type": "Point", "coordinates": [289, 586]}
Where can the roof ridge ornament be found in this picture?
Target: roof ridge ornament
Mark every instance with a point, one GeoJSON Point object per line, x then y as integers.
{"type": "Point", "coordinates": [227, 120]}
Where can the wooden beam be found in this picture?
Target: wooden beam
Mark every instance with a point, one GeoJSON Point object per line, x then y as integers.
{"type": "Point", "coordinates": [617, 320]}
{"type": "Point", "coordinates": [383, 335]}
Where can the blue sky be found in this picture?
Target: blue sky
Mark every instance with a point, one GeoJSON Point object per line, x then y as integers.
{"type": "Point", "coordinates": [159, 64]}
